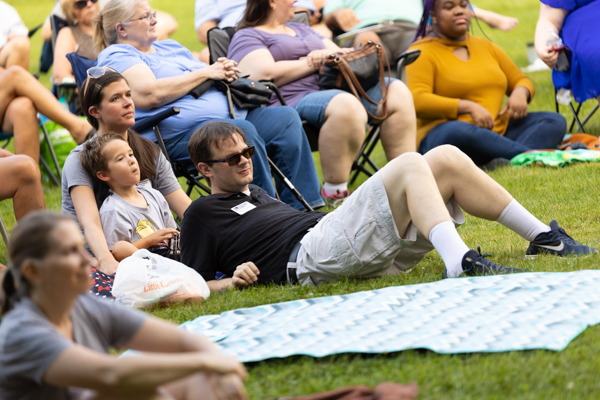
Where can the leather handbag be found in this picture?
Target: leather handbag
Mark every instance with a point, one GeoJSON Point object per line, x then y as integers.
{"type": "Point", "coordinates": [245, 93]}
{"type": "Point", "coordinates": [356, 72]}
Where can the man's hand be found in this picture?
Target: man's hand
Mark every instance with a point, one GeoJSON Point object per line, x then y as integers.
{"type": "Point", "coordinates": [516, 106]}
{"type": "Point", "coordinates": [245, 274]}
{"type": "Point", "coordinates": [346, 18]}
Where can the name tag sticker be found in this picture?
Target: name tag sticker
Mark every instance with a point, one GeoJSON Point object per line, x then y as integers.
{"type": "Point", "coordinates": [243, 208]}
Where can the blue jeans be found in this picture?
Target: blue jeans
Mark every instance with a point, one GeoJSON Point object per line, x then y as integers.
{"type": "Point", "coordinates": [276, 132]}
{"type": "Point", "coordinates": [539, 130]}
{"type": "Point", "coordinates": [312, 106]}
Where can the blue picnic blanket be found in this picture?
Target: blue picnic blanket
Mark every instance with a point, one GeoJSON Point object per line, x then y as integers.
{"type": "Point", "coordinates": [481, 314]}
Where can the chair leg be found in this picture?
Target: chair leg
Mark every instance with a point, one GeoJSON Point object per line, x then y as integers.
{"type": "Point", "coordinates": [289, 184]}
{"type": "Point", "coordinates": [576, 117]}
{"type": "Point", "coordinates": [590, 115]}
{"type": "Point", "coordinates": [364, 156]}
{"type": "Point", "coordinates": [49, 171]}
{"type": "Point", "coordinates": [3, 232]}
{"type": "Point", "coordinates": [56, 178]}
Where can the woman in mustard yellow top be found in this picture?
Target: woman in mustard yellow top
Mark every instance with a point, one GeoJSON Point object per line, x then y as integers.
{"type": "Point", "coordinates": [458, 85]}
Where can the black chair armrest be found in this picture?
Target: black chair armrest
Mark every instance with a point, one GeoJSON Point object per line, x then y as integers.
{"type": "Point", "coordinates": [66, 85]}
{"type": "Point", "coordinates": [201, 88]}
{"type": "Point", "coordinates": [152, 121]}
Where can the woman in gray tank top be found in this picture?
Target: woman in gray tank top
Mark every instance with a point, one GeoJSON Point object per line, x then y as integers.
{"type": "Point", "coordinates": [55, 340]}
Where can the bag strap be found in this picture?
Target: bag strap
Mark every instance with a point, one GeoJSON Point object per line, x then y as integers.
{"type": "Point", "coordinates": [355, 85]}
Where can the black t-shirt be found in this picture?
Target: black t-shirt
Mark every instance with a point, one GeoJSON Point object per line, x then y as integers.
{"type": "Point", "coordinates": [216, 238]}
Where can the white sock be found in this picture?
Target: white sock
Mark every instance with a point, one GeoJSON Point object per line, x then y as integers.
{"type": "Point", "coordinates": [451, 247]}
{"type": "Point", "coordinates": [516, 218]}
{"type": "Point", "coordinates": [334, 188]}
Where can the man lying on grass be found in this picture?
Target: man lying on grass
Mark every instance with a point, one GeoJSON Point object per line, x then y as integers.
{"type": "Point", "coordinates": [385, 227]}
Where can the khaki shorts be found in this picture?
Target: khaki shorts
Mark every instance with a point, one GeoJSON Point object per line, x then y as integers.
{"type": "Point", "coordinates": [360, 239]}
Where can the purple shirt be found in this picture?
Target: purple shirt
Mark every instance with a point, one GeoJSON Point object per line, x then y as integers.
{"type": "Point", "coordinates": [283, 47]}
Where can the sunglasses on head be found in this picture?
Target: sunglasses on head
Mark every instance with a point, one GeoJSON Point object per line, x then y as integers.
{"type": "Point", "coordinates": [81, 4]}
{"type": "Point", "coordinates": [96, 72]}
{"type": "Point", "coordinates": [234, 159]}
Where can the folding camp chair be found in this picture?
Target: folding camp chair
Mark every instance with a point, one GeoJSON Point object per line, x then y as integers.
{"type": "Point", "coordinates": [183, 167]}
{"type": "Point", "coordinates": [218, 45]}
{"type": "Point", "coordinates": [3, 232]}
{"type": "Point", "coordinates": [5, 139]}
{"type": "Point", "coordinates": [575, 110]}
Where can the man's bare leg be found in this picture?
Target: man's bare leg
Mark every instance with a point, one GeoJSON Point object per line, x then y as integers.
{"type": "Point", "coordinates": [474, 191]}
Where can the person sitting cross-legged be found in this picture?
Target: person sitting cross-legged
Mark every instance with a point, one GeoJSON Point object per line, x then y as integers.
{"type": "Point", "coordinates": [133, 217]}
{"type": "Point", "coordinates": [386, 226]}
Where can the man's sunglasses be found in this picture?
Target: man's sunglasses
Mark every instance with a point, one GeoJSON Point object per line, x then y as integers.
{"type": "Point", "coordinates": [81, 4]}
{"type": "Point", "coordinates": [248, 152]}
{"type": "Point", "coordinates": [96, 72]}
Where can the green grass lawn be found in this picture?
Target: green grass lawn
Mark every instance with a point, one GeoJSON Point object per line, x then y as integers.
{"type": "Point", "coordinates": [568, 195]}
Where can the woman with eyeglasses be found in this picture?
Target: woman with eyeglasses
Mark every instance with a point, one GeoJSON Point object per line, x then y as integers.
{"type": "Point", "coordinates": [55, 340]}
{"type": "Point", "coordinates": [459, 84]}
{"type": "Point", "coordinates": [161, 74]}
{"type": "Point", "coordinates": [77, 37]}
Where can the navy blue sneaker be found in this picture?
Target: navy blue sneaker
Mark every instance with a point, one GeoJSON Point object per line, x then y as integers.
{"type": "Point", "coordinates": [557, 242]}
{"type": "Point", "coordinates": [475, 264]}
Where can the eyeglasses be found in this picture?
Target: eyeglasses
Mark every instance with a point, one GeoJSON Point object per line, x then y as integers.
{"type": "Point", "coordinates": [96, 72]}
{"type": "Point", "coordinates": [248, 152]}
{"type": "Point", "coordinates": [81, 4]}
{"type": "Point", "coordinates": [149, 17]}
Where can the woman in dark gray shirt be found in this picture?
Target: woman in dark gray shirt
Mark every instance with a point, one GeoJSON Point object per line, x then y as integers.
{"type": "Point", "coordinates": [54, 341]}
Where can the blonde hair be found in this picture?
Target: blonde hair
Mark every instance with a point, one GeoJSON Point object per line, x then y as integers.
{"type": "Point", "coordinates": [113, 12]}
{"type": "Point", "coordinates": [67, 9]}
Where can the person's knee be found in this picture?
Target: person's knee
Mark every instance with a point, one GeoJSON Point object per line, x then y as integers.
{"type": "Point", "coordinates": [16, 73]}
{"type": "Point", "coordinates": [447, 159]}
{"type": "Point", "coordinates": [347, 109]}
{"type": "Point", "coordinates": [21, 108]}
{"type": "Point", "coordinates": [400, 99]}
{"type": "Point", "coordinates": [407, 164]}
{"type": "Point", "coordinates": [20, 44]}
{"type": "Point", "coordinates": [25, 169]}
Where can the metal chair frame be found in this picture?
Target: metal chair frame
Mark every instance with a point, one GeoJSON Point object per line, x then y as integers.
{"type": "Point", "coordinates": [575, 109]}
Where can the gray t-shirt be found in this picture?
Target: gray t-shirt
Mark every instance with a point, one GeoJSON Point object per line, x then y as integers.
{"type": "Point", "coordinates": [124, 221]}
{"type": "Point", "coordinates": [75, 175]}
{"type": "Point", "coordinates": [29, 343]}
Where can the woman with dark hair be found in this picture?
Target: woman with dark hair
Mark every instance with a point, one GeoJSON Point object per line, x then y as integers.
{"type": "Point", "coordinates": [458, 85]}
{"type": "Point", "coordinates": [107, 103]}
{"type": "Point", "coordinates": [163, 73]}
{"type": "Point", "coordinates": [54, 340]}
{"type": "Point", "coordinates": [267, 46]}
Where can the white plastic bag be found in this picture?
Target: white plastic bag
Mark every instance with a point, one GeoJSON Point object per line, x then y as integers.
{"type": "Point", "coordinates": [146, 278]}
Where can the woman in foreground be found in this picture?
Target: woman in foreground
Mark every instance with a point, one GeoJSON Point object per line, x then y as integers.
{"type": "Point", "coordinates": [54, 340]}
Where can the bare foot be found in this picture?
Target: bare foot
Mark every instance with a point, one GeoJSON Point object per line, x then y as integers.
{"type": "Point", "coordinates": [503, 22]}
{"type": "Point", "coordinates": [3, 267]}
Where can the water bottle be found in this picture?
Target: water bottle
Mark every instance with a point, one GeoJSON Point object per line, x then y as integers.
{"type": "Point", "coordinates": [554, 41]}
